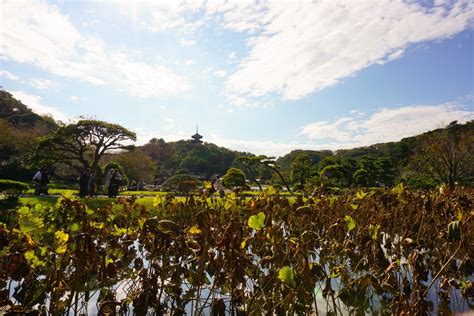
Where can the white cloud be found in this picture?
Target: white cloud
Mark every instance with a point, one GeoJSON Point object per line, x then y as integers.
{"type": "Point", "coordinates": [183, 42]}
{"type": "Point", "coordinates": [8, 75]}
{"type": "Point", "coordinates": [259, 147]}
{"type": "Point", "coordinates": [37, 33]}
{"type": "Point", "coordinates": [385, 125]}
{"type": "Point", "coordinates": [169, 124]}
{"type": "Point", "coordinates": [221, 73]}
{"type": "Point", "coordinates": [41, 84]}
{"type": "Point", "coordinates": [232, 56]}
{"type": "Point", "coordinates": [35, 104]}
{"type": "Point", "coordinates": [302, 47]}
{"type": "Point", "coordinates": [74, 98]}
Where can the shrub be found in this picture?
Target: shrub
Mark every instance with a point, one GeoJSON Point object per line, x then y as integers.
{"type": "Point", "coordinates": [180, 183]}
{"type": "Point", "coordinates": [13, 188]}
{"type": "Point", "coordinates": [234, 178]}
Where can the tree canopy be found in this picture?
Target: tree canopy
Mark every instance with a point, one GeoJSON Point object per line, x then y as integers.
{"type": "Point", "coordinates": [81, 145]}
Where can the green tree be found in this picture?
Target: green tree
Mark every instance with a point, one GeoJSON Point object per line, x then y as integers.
{"type": "Point", "coordinates": [300, 170]}
{"type": "Point", "coordinates": [137, 165]}
{"type": "Point", "coordinates": [81, 145]}
{"type": "Point", "coordinates": [181, 184]}
{"type": "Point", "coordinates": [251, 166]}
{"type": "Point", "coordinates": [333, 175]}
{"type": "Point", "coordinates": [234, 178]}
{"type": "Point", "coordinates": [362, 177]}
{"type": "Point", "coordinates": [447, 157]}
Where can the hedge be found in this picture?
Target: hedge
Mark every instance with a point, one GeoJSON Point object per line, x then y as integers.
{"type": "Point", "coordinates": [13, 188]}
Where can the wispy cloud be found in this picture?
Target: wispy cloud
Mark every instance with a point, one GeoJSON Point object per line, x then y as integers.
{"type": "Point", "coordinates": [302, 47]}
{"type": "Point", "coordinates": [385, 124]}
{"type": "Point", "coordinates": [183, 42]}
{"type": "Point", "coordinates": [41, 84]}
{"type": "Point", "coordinates": [39, 34]}
{"type": "Point", "coordinates": [221, 73]}
{"type": "Point", "coordinates": [35, 103]}
{"type": "Point", "coordinates": [8, 75]}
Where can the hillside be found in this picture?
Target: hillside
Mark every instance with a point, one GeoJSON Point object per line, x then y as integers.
{"type": "Point", "coordinates": [397, 158]}
{"type": "Point", "coordinates": [20, 116]}
{"type": "Point", "coordinates": [20, 129]}
{"type": "Point", "coordinates": [184, 156]}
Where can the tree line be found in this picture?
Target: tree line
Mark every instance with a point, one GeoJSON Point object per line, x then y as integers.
{"type": "Point", "coordinates": [30, 141]}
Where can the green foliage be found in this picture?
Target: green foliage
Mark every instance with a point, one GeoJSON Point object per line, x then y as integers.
{"type": "Point", "coordinates": [203, 160]}
{"type": "Point", "coordinates": [300, 169]}
{"type": "Point", "coordinates": [13, 188]}
{"type": "Point", "coordinates": [316, 156]}
{"type": "Point", "coordinates": [257, 221]}
{"type": "Point", "coordinates": [374, 231]}
{"type": "Point", "coordinates": [234, 178]}
{"type": "Point", "coordinates": [447, 156]}
{"type": "Point", "coordinates": [350, 222]}
{"type": "Point", "coordinates": [20, 129]}
{"type": "Point", "coordinates": [81, 145]}
{"type": "Point", "coordinates": [333, 175]}
{"type": "Point", "coordinates": [181, 184]}
{"type": "Point", "coordinates": [285, 275]}
{"type": "Point", "coordinates": [137, 165]}
{"type": "Point", "coordinates": [362, 177]}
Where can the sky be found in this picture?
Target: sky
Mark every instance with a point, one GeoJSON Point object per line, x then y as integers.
{"type": "Point", "coordinates": [265, 77]}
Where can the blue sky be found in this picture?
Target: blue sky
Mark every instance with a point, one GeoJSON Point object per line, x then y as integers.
{"type": "Point", "coordinates": [265, 77]}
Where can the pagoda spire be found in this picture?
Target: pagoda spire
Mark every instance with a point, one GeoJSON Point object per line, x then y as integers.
{"type": "Point", "coordinates": [196, 137]}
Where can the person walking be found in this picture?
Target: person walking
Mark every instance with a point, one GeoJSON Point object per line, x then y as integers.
{"type": "Point", "coordinates": [92, 184]}
{"type": "Point", "coordinates": [111, 182]}
{"type": "Point", "coordinates": [219, 186]}
{"type": "Point", "coordinates": [108, 176]}
{"type": "Point", "coordinates": [84, 183]}
{"type": "Point", "coordinates": [117, 179]}
{"type": "Point", "coordinates": [37, 182]}
{"type": "Point", "coordinates": [114, 184]}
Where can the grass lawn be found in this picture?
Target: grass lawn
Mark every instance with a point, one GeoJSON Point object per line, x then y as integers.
{"type": "Point", "coordinates": [92, 203]}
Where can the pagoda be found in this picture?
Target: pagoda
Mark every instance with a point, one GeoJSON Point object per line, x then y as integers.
{"type": "Point", "coordinates": [196, 137]}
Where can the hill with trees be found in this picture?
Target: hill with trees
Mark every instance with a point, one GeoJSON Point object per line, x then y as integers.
{"type": "Point", "coordinates": [185, 156]}
{"type": "Point", "coordinates": [438, 156]}
{"type": "Point", "coordinates": [29, 140]}
{"type": "Point", "coordinates": [20, 130]}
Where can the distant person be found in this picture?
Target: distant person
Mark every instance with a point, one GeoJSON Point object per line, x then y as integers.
{"type": "Point", "coordinates": [141, 185]}
{"type": "Point", "coordinates": [133, 186]}
{"type": "Point", "coordinates": [108, 176]}
{"type": "Point", "coordinates": [84, 183]}
{"type": "Point", "coordinates": [44, 181]}
{"type": "Point", "coordinates": [92, 184]}
{"type": "Point", "coordinates": [219, 186]}
{"type": "Point", "coordinates": [109, 182]}
{"type": "Point", "coordinates": [115, 183]}
{"type": "Point", "coordinates": [37, 182]}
